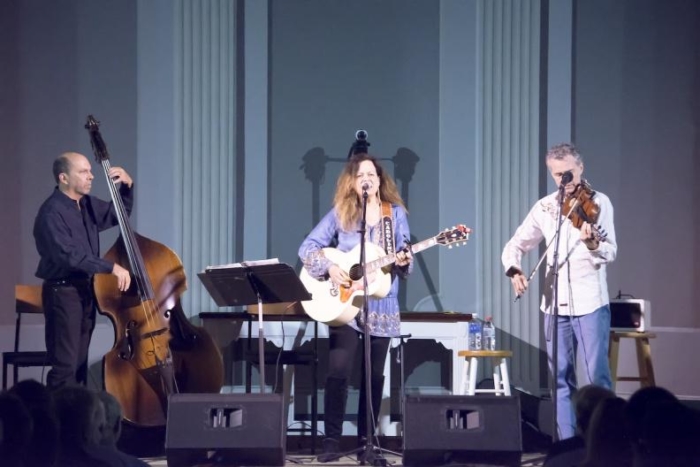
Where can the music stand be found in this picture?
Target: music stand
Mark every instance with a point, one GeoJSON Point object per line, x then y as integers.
{"type": "Point", "coordinates": [261, 282]}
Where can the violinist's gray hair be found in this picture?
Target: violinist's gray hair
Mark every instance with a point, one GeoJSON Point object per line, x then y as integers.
{"type": "Point", "coordinates": [562, 150]}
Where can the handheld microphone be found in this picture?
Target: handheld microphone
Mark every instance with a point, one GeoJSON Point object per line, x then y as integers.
{"type": "Point", "coordinates": [366, 186]}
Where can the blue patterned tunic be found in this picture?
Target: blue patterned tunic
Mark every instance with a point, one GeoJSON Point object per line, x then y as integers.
{"type": "Point", "coordinates": [384, 318]}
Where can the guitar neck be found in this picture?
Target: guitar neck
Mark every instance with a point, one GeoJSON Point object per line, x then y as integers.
{"type": "Point", "coordinates": [390, 259]}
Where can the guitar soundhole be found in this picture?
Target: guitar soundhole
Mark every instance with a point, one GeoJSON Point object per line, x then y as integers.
{"type": "Point", "coordinates": [355, 272]}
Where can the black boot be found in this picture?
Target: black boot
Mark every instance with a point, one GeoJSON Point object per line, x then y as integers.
{"type": "Point", "coordinates": [331, 448]}
{"type": "Point", "coordinates": [334, 401]}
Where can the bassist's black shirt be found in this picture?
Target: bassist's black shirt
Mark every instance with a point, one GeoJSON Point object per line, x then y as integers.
{"type": "Point", "coordinates": [67, 238]}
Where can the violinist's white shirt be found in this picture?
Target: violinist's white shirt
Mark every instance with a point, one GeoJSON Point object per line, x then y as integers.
{"type": "Point", "coordinates": [582, 278]}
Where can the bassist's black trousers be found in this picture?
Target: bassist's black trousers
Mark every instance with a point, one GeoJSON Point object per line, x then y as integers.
{"type": "Point", "coordinates": [69, 308]}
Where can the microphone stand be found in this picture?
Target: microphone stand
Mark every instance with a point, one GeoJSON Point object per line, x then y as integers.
{"type": "Point", "coordinates": [368, 449]}
{"type": "Point", "coordinates": [401, 359]}
{"type": "Point", "coordinates": [369, 454]}
{"type": "Point", "coordinates": [554, 322]}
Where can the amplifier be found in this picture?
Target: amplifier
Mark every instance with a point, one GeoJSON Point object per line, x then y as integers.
{"type": "Point", "coordinates": [630, 315]}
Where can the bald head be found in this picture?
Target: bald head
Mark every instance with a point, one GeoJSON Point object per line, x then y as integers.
{"type": "Point", "coordinates": [73, 174]}
{"type": "Point", "coordinates": [63, 163]}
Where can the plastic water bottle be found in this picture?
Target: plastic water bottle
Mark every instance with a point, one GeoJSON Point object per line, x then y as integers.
{"type": "Point", "coordinates": [474, 341]}
{"type": "Point", "coordinates": [489, 333]}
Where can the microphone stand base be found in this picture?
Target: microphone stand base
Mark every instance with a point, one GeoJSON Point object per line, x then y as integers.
{"type": "Point", "coordinates": [373, 458]}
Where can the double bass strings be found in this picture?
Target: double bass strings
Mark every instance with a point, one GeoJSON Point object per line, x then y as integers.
{"type": "Point", "coordinates": [139, 273]}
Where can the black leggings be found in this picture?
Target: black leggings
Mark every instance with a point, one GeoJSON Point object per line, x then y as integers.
{"type": "Point", "coordinates": [347, 347]}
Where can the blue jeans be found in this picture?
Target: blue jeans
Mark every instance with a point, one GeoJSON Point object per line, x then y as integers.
{"type": "Point", "coordinates": [591, 333]}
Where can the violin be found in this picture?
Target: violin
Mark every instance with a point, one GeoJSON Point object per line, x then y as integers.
{"type": "Point", "coordinates": [580, 207]}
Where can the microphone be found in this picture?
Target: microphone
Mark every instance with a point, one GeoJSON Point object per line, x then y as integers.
{"type": "Point", "coordinates": [361, 135]}
{"type": "Point", "coordinates": [566, 177]}
{"type": "Point", "coordinates": [366, 186]}
{"type": "Point", "coordinates": [361, 145]}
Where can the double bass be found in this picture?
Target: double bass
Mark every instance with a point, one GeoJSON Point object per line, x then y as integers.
{"type": "Point", "coordinates": [157, 351]}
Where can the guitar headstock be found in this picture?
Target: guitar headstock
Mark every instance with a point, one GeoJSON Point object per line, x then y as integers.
{"type": "Point", "coordinates": [454, 236]}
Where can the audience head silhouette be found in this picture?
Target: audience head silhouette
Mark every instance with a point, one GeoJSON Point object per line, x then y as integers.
{"type": "Point", "coordinates": [607, 440]}
{"type": "Point", "coordinates": [80, 415]}
{"type": "Point", "coordinates": [15, 430]}
{"type": "Point", "coordinates": [664, 431]}
{"type": "Point", "coordinates": [585, 400]}
{"type": "Point", "coordinates": [112, 428]}
{"type": "Point", "coordinates": [43, 445]}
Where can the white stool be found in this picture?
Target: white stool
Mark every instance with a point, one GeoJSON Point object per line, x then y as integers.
{"type": "Point", "coordinates": [501, 380]}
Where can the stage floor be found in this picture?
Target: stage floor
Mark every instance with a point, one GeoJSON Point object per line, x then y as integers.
{"type": "Point", "coordinates": [534, 445]}
{"type": "Point", "coordinates": [528, 460]}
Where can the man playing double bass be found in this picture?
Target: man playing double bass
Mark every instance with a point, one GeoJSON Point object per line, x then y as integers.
{"type": "Point", "coordinates": [66, 232]}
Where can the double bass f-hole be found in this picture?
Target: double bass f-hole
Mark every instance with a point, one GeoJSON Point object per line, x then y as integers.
{"type": "Point", "coordinates": [126, 346]}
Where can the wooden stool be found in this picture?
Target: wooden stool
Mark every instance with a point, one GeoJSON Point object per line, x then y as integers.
{"type": "Point", "coordinates": [646, 369]}
{"type": "Point", "coordinates": [501, 380]}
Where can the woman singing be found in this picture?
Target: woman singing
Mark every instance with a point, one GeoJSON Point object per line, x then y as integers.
{"type": "Point", "coordinates": [339, 228]}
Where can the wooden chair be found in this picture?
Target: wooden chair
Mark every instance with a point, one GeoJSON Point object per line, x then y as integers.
{"type": "Point", "coordinates": [27, 301]}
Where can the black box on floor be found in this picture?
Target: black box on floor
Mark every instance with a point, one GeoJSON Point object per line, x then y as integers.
{"type": "Point", "coordinates": [225, 429]}
{"type": "Point", "coordinates": [483, 429]}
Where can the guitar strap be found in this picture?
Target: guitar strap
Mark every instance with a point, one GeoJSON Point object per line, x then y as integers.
{"type": "Point", "coordinates": [388, 228]}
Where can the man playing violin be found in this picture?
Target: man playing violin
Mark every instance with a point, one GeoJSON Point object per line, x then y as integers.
{"type": "Point", "coordinates": [584, 310]}
{"type": "Point", "coordinates": [66, 232]}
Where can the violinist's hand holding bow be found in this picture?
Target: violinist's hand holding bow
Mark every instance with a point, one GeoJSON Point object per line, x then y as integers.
{"type": "Point", "coordinates": [589, 237]}
{"type": "Point", "coordinates": [519, 282]}
{"type": "Point", "coordinates": [117, 174]}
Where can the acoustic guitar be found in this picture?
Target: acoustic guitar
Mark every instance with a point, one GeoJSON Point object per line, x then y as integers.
{"type": "Point", "coordinates": [338, 305]}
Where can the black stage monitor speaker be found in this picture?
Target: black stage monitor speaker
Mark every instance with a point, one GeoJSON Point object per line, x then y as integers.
{"type": "Point", "coordinates": [482, 429]}
{"type": "Point", "coordinates": [225, 429]}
